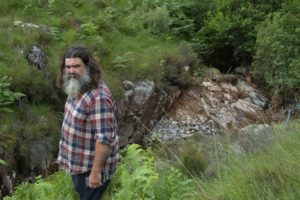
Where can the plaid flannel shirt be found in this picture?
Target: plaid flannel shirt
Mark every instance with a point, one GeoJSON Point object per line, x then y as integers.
{"type": "Point", "coordinates": [88, 118]}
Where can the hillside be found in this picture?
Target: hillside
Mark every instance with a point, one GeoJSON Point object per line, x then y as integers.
{"type": "Point", "coordinates": [174, 43]}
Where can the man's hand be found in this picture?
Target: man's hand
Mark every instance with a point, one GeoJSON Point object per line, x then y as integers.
{"type": "Point", "coordinates": [95, 180]}
{"type": "Point", "coordinates": [99, 159]}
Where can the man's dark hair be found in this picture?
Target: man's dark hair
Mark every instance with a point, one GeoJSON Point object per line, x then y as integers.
{"type": "Point", "coordinates": [90, 63]}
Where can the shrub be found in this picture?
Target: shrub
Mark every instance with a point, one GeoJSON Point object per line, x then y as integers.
{"type": "Point", "coordinates": [180, 64]}
{"type": "Point", "coordinates": [277, 57]}
{"type": "Point", "coordinates": [157, 21]}
{"type": "Point", "coordinates": [132, 23]}
{"type": "Point", "coordinates": [105, 19]}
{"type": "Point", "coordinates": [227, 38]}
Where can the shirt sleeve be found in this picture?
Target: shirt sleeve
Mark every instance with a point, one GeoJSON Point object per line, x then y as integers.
{"type": "Point", "coordinates": [102, 120]}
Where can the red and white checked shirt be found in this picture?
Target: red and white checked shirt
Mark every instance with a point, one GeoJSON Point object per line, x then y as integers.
{"type": "Point", "coordinates": [88, 118]}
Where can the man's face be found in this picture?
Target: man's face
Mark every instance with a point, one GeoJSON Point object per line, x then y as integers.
{"type": "Point", "coordinates": [76, 77]}
{"type": "Point", "coordinates": [74, 67]}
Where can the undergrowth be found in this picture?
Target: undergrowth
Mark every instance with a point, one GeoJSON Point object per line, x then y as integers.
{"type": "Point", "coordinates": [56, 187]}
{"type": "Point", "coordinates": [269, 173]}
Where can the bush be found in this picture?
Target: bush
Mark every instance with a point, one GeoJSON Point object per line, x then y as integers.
{"type": "Point", "coordinates": [227, 38]}
{"type": "Point", "coordinates": [157, 21]}
{"type": "Point", "coordinates": [180, 64]}
{"type": "Point", "coordinates": [132, 23]}
{"type": "Point", "coordinates": [277, 57]}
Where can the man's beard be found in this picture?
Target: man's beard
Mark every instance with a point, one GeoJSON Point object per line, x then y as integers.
{"type": "Point", "coordinates": [75, 84]}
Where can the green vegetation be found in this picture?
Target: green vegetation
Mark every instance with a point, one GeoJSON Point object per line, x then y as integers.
{"type": "Point", "coordinates": [277, 57]}
{"type": "Point", "coordinates": [267, 173]}
{"type": "Point", "coordinates": [7, 97]}
{"type": "Point", "coordinates": [131, 38]}
{"type": "Point", "coordinates": [56, 187]}
{"type": "Point", "coordinates": [155, 40]}
{"type": "Point", "coordinates": [136, 174]}
{"type": "Point", "coordinates": [31, 133]}
{"type": "Point", "coordinates": [2, 162]}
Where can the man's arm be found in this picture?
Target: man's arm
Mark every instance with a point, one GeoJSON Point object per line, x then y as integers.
{"type": "Point", "coordinates": [99, 159]}
{"type": "Point", "coordinates": [102, 122]}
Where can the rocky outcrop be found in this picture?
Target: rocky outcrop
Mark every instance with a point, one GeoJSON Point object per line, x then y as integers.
{"type": "Point", "coordinates": [175, 114]}
{"type": "Point", "coordinates": [213, 106]}
{"type": "Point", "coordinates": [141, 108]}
{"type": "Point", "coordinates": [37, 57]}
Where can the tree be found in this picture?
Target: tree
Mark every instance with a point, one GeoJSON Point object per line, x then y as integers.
{"type": "Point", "coordinates": [227, 38]}
{"type": "Point", "coordinates": [277, 58]}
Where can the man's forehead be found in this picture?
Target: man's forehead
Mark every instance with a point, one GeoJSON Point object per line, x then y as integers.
{"type": "Point", "coordinates": [72, 61]}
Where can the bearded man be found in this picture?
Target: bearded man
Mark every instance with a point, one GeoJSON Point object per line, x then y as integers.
{"type": "Point", "coordinates": [89, 143]}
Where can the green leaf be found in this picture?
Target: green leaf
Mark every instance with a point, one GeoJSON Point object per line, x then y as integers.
{"type": "Point", "coordinates": [2, 162]}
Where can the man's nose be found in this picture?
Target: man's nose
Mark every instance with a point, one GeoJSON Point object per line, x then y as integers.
{"type": "Point", "coordinates": [72, 70]}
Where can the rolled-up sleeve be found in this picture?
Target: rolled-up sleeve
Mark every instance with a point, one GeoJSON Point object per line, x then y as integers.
{"type": "Point", "coordinates": [102, 120]}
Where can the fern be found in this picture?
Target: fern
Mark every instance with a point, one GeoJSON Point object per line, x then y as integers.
{"type": "Point", "coordinates": [178, 188]}
{"type": "Point", "coordinates": [56, 187]}
{"type": "Point", "coordinates": [7, 96]}
{"type": "Point", "coordinates": [135, 175]}
{"type": "Point", "coordinates": [137, 178]}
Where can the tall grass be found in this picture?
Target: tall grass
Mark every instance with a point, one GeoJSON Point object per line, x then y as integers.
{"type": "Point", "coordinates": [269, 173]}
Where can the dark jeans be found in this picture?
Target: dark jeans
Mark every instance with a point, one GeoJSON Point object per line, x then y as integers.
{"type": "Point", "coordinates": [80, 182]}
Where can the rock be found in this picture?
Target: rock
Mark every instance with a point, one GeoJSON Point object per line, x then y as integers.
{"type": "Point", "coordinates": [205, 109]}
{"type": "Point", "coordinates": [30, 25]}
{"type": "Point", "coordinates": [7, 179]}
{"type": "Point", "coordinates": [220, 102]}
{"type": "Point", "coordinates": [256, 98]}
{"type": "Point", "coordinates": [259, 100]}
{"type": "Point", "coordinates": [37, 57]}
{"type": "Point", "coordinates": [229, 88]}
{"type": "Point", "coordinates": [211, 86]}
{"type": "Point", "coordinates": [244, 87]}
{"type": "Point", "coordinates": [166, 130]}
{"type": "Point", "coordinates": [141, 108]}
{"type": "Point", "coordinates": [207, 84]}
{"type": "Point", "coordinates": [246, 106]}
{"type": "Point", "coordinates": [142, 92]}
{"type": "Point", "coordinates": [223, 117]}
{"type": "Point", "coordinates": [227, 96]}
{"type": "Point", "coordinates": [241, 70]}
{"type": "Point", "coordinates": [129, 90]}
